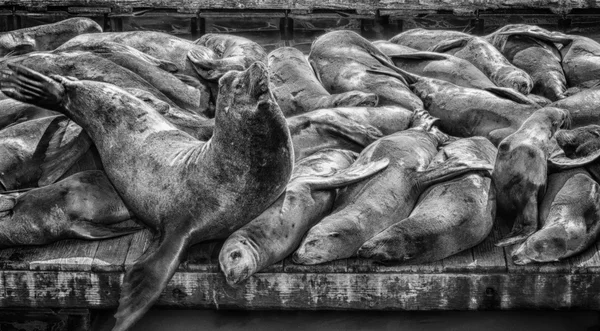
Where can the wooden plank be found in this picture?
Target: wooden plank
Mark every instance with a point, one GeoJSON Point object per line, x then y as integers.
{"type": "Point", "coordinates": [587, 261]}
{"type": "Point", "coordinates": [65, 255]}
{"type": "Point", "coordinates": [111, 253]}
{"type": "Point", "coordinates": [486, 256]}
{"type": "Point", "coordinates": [460, 262]}
{"type": "Point", "coordinates": [329, 267]}
{"type": "Point", "coordinates": [200, 257]}
{"type": "Point", "coordinates": [364, 265]}
{"type": "Point", "coordinates": [315, 291]}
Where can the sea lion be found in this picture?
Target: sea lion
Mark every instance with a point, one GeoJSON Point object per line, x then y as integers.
{"type": "Point", "coordinates": [569, 219]}
{"type": "Point", "coordinates": [364, 209]}
{"type": "Point", "coordinates": [520, 171]}
{"type": "Point", "coordinates": [583, 107]}
{"type": "Point", "coordinates": [351, 128]}
{"type": "Point", "coordinates": [342, 60]}
{"type": "Point", "coordinates": [474, 49]}
{"type": "Point", "coordinates": [45, 37]}
{"type": "Point", "coordinates": [309, 196]}
{"type": "Point", "coordinates": [186, 190]}
{"type": "Point", "coordinates": [448, 218]}
{"type": "Point", "coordinates": [80, 206]}
{"type": "Point", "coordinates": [467, 112]}
{"type": "Point", "coordinates": [156, 44]}
{"type": "Point", "coordinates": [297, 89]}
{"type": "Point", "coordinates": [540, 59]}
{"type": "Point", "coordinates": [37, 152]}
{"type": "Point", "coordinates": [13, 112]}
{"type": "Point", "coordinates": [579, 142]}
{"type": "Point", "coordinates": [232, 53]}
{"type": "Point", "coordinates": [155, 71]}
{"type": "Point", "coordinates": [445, 67]}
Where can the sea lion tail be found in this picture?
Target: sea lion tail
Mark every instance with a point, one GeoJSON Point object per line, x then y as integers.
{"type": "Point", "coordinates": [147, 278]}
{"type": "Point", "coordinates": [29, 86]}
{"type": "Point", "coordinates": [511, 94]}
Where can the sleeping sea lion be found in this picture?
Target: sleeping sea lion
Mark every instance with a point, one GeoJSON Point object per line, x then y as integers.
{"type": "Point", "coordinates": [443, 66]}
{"type": "Point", "coordinates": [342, 60]}
{"type": "Point", "coordinates": [37, 152]}
{"type": "Point", "coordinates": [467, 112]}
{"type": "Point", "coordinates": [474, 49]}
{"type": "Point", "coordinates": [297, 89]}
{"type": "Point", "coordinates": [13, 112]}
{"type": "Point", "coordinates": [583, 107]}
{"type": "Point", "coordinates": [309, 196]}
{"type": "Point", "coordinates": [350, 128]}
{"type": "Point", "coordinates": [156, 44]}
{"type": "Point", "coordinates": [448, 218]}
{"type": "Point", "coordinates": [569, 219]}
{"type": "Point", "coordinates": [579, 142]}
{"type": "Point", "coordinates": [155, 71]}
{"type": "Point", "coordinates": [521, 168]}
{"type": "Point", "coordinates": [186, 190]}
{"type": "Point", "coordinates": [232, 53]}
{"type": "Point", "coordinates": [80, 206]}
{"type": "Point", "coordinates": [45, 37]}
{"type": "Point", "coordinates": [540, 59]}
{"type": "Point", "coordinates": [364, 209]}
{"type": "Point", "coordinates": [422, 39]}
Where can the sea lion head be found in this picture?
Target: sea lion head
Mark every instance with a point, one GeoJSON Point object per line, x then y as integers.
{"type": "Point", "coordinates": [378, 248]}
{"type": "Point", "coordinates": [579, 142]}
{"type": "Point", "coordinates": [321, 245]}
{"type": "Point", "coordinates": [238, 260]}
{"type": "Point", "coordinates": [516, 79]}
{"type": "Point", "coordinates": [546, 245]}
{"type": "Point", "coordinates": [560, 118]}
{"type": "Point", "coordinates": [240, 89]}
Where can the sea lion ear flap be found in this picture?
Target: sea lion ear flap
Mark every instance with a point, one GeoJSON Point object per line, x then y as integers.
{"type": "Point", "coordinates": [447, 45]}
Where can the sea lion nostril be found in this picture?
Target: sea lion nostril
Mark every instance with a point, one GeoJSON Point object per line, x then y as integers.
{"type": "Point", "coordinates": [235, 255]}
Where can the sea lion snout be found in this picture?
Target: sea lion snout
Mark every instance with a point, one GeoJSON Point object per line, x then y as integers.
{"type": "Point", "coordinates": [546, 245]}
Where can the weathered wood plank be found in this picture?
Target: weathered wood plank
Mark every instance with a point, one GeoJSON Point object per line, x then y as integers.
{"type": "Point", "coordinates": [460, 262]}
{"type": "Point", "coordinates": [486, 256]}
{"type": "Point", "coordinates": [200, 257]}
{"type": "Point", "coordinates": [65, 255]}
{"type": "Point", "coordinates": [45, 319]}
{"type": "Point", "coordinates": [315, 291]}
{"type": "Point", "coordinates": [111, 253]}
{"type": "Point", "coordinates": [587, 261]}
{"type": "Point", "coordinates": [329, 267]}
{"type": "Point", "coordinates": [364, 265]}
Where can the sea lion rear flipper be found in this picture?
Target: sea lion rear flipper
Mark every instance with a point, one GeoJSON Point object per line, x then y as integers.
{"type": "Point", "coordinates": [511, 94]}
{"type": "Point", "coordinates": [447, 45]}
{"type": "Point", "coordinates": [91, 231]}
{"type": "Point", "coordinates": [62, 152]}
{"type": "Point", "coordinates": [340, 178]}
{"type": "Point", "coordinates": [420, 56]}
{"type": "Point", "coordinates": [191, 81]}
{"type": "Point", "coordinates": [406, 77]}
{"type": "Point", "coordinates": [450, 169]}
{"type": "Point", "coordinates": [361, 134]}
{"type": "Point", "coordinates": [29, 86]}
{"type": "Point", "coordinates": [147, 278]}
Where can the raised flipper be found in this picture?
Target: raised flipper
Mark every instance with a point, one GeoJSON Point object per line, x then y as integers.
{"type": "Point", "coordinates": [91, 231]}
{"type": "Point", "coordinates": [340, 178]}
{"type": "Point", "coordinates": [453, 167]}
{"type": "Point", "coordinates": [26, 85]}
{"type": "Point", "coordinates": [447, 45]}
{"type": "Point", "coordinates": [511, 94]}
{"type": "Point", "coordinates": [428, 56]}
{"type": "Point", "coordinates": [64, 149]}
{"type": "Point", "coordinates": [148, 276]}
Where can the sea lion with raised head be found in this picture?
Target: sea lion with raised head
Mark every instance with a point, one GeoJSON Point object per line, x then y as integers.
{"type": "Point", "coordinates": [540, 59]}
{"type": "Point", "coordinates": [474, 49]}
{"type": "Point", "coordinates": [155, 71]}
{"type": "Point", "coordinates": [344, 61]}
{"type": "Point", "coordinates": [467, 112]}
{"type": "Point", "coordinates": [184, 189]}
{"type": "Point", "coordinates": [569, 219]}
{"type": "Point", "coordinates": [443, 66]}
{"type": "Point", "coordinates": [521, 168]}
{"type": "Point", "coordinates": [449, 217]}
{"type": "Point", "coordinates": [350, 128]}
{"type": "Point", "coordinates": [364, 209]}
{"type": "Point", "coordinates": [37, 152]}
{"type": "Point", "coordinates": [297, 89]}
{"type": "Point", "coordinates": [309, 196]}
{"type": "Point", "coordinates": [81, 206]}
{"type": "Point", "coordinates": [45, 37]}
{"type": "Point", "coordinates": [232, 53]}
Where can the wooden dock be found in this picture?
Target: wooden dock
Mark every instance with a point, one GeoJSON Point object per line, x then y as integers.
{"type": "Point", "coordinates": [82, 274]}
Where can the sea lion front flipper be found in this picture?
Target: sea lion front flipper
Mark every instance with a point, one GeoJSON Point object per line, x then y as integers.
{"type": "Point", "coordinates": [431, 56]}
{"type": "Point", "coordinates": [340, 178]}
{"type": "Point", "coordinates": [524, 226]}
{"type": "Point", "coordinates": [447, 45]}
{"type": "Point", "coordinates": [62, 152]}
{"type": "Point", "coordinates": [148, 276]}
{"type": "Point", "coordinates": [453, 167]}
{"type": "Point", "coordinates": [29, 86]}
{"type": "Point", "coordinates": [91, 231]}
{"type": "Point", "coordinates": [511, 94]}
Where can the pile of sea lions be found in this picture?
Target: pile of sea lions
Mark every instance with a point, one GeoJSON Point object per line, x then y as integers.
{"type": "Point", "coordinates": [400, 151]}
